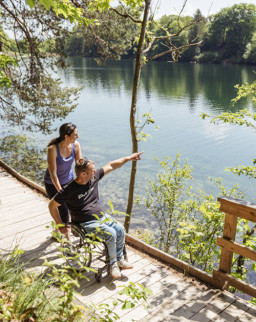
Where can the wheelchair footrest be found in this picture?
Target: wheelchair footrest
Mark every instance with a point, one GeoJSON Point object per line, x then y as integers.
{"type": "Point", "coordinates": [103, 272]}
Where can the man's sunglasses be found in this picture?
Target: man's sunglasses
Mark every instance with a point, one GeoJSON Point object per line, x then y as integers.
{"type": "Point", "coordinates": [83, 161]}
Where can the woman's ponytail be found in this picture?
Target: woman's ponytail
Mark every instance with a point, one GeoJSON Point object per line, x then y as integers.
{"type": "Point", "coordinates": [65, 129]}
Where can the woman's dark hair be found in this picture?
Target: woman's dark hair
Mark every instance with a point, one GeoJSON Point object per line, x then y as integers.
{"type": "Point", "coordinates": [65, 129]}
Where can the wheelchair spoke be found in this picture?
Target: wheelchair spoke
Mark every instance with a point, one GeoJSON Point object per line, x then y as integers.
{"type": "Point", "coordinates": [77, 251]}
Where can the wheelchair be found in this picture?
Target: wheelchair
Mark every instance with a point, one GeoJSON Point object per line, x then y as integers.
{"type": "Point", "coordinates": [83, 250]}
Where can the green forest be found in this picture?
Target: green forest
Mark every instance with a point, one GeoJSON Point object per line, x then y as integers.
{"type": "Point", "coordinates": [228, 36]}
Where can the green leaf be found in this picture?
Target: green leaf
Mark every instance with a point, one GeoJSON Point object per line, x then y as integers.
{"type": "Point", "coordinates": [128, 305]}
{"type": "Point", "coordinates": [148, 291]}
{"type": "Point", "coordinates": [47, 4]}
{"type": "Point", "coordinates": [31, 3]}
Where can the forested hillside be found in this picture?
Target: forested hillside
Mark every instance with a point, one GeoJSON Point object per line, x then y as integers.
{"type": "Point", "coordinates": [228, 36]}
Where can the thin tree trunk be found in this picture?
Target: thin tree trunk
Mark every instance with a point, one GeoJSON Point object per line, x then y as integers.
{"type": "Point", "coordinates": [136, 81]}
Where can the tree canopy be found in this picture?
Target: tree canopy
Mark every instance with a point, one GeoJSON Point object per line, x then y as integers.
{"type": "Point", "coordinates": [29, 95]}
{"type": "Point", "coordinates": [227, 36]}
{"type": "Point", "coordinates": [229, 32]}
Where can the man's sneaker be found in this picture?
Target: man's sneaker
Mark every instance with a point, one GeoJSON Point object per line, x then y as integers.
{"type": "Point", "coordinates": [115, 271]}
{"type": "Point", "coordinates": [123, 264]}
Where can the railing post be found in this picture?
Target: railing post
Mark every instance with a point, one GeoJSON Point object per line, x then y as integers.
{"type": "Point", "coordinates": [226, 255]}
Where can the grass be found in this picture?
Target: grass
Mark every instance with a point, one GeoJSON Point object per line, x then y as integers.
{"type": "Point", "coordinates": [27, 296]}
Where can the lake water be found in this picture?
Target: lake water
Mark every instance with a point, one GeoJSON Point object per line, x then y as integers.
{"type": "Point", "coordinates": [176, 95]}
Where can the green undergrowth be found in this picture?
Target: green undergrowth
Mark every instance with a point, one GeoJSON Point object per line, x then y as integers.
{"type": "Point", "coordinates": [51, 296]}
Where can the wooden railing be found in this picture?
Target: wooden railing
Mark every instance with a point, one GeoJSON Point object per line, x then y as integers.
{"type": "Point", "coordinates": [233, 208]}
{"type": "Point", "coordinates": [221, 278]}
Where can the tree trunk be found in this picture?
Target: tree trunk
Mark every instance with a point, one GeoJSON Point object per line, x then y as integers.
{"type": "Point", "coordinates": [136, 81]}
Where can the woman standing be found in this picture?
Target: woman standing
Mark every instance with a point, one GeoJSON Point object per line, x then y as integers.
{"type": "Point", "coordinates": [62, 151]}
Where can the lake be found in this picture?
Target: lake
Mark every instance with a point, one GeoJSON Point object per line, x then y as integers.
{"type": "Point", "coordinates": [175, 94]}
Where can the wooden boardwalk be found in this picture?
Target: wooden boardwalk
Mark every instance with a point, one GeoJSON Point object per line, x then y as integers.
{"type": "Point", "coordinates": [24, 216]}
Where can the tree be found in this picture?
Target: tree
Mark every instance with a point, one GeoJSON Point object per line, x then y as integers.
{"type": "Point", "coordinates": [241, 118]}
{"type": "Point", "coordinates": [187, 221]}
{"type": "Point", "coordinates": [165, 199]}
{"type": "Point", "coordinates": [171, 24]}
{"type": "Point", "coordinates": [250, 51]}
{"type": "Point", "coordinates": [111, 38]}
{"type": "Point", "coordinates": [24, 156]}
{"type": "Point", "coordinates": [230, 30]}
{"type": "Point", "coordinates": [29, 96]}
{"type": "Point", "coordinates": [42, 97]}
{"type": "Point", "coordinates": [145, 42]}
{"type": "Point", "coordinates": [195, 33]}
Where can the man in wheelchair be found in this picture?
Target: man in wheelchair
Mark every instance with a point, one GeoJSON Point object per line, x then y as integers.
{"type": "Point", "coordinates": [82, 198]}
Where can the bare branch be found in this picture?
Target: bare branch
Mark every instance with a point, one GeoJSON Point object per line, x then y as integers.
{"type": "Point", "coordinates": [17, 114]}
{"type": "Point", "coordinates": [183, 6]}
{"type": "Point", "coordinates": [23, 27]}
{"type": "Point", "coordinates": [166, 38]}
{"type": "Point", "coordinates": [126, 15]}
{"type": "Point", "coordinates": [175, 51]}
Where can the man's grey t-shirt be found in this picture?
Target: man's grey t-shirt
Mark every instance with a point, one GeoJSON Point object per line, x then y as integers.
{"type": "Point", "coordinates": [82, 200]}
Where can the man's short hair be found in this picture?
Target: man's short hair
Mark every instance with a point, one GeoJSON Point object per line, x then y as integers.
{"type": "Point", "coordinates": [82, 165]}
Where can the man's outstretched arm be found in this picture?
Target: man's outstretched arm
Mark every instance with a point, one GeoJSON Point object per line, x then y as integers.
{"type": "Point", "coordinates": [113, 165]}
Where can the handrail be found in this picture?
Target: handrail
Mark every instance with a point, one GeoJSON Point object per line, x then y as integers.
{"type": "Point", "coordinates": [221, 278]}
{"type": "Point", "coordinates": [233, 209]}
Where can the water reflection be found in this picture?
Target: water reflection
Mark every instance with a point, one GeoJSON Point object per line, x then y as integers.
{"type": "Point", "coordinates": [215, 83]}
{"type": "Point", "coordinates": [176, 95]}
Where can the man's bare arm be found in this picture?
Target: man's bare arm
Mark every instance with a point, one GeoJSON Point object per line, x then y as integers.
{"type": "Point", "coordinates": [116, 164]}
{"type": "Point", "coordinates": [53, 208]}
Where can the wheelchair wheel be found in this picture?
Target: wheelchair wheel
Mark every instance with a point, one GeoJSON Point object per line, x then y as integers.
{"type": "Point", "coordinates": [100, 252]}
{"type": "Point", "coordinates": [77, 251]}
{"type": "Point", "coordinates": [98, 277]}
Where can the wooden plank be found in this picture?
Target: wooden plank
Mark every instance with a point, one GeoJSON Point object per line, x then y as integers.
{"type": "Point", "coordinates": [185, 309]}
{"type": "Point", "coordinates": [240, 285]}
{"type": "Point", "coordinates": [234, 247]}
{"type": "Point", "coordinates": [177, 304]}
{"type": "Point", "coordinates": [160, 297]}
{"type": "Point", "coordinates": [20, 194]}
{"type": "Point", "coordinates": [248, 316]}
{"type": "Point", "coordinates": [196, 305]}
{"type": "Point", "coordinates": [91, 288]}
{"type": "Point", "coordinates": [22, 205]}
{"type": "Point", "coordinates": [214, 308]}
{"type": "Point", "coordinates": [25, 239]}
{"type": "Point", "coordinates": [229, 233]}
{"type": "Point", "coordinates": [169, 259]}
{"type": "Point", "coordinates": [8, 186]}
{"type": "Point", "coordinates": [10, 219]}
{"type": "Point", "coordinates": [97, 296]}
{"type": "Point", "coordinates": [160, 312]}
{"type": "Point", "coordinates": [27, 224]}
{"type": "Point", "coordinates": [151, 280]}
{"type": "Point", "coordinates": [233, 311]}
{"type": "Point", "coordinates": [238, 208]}
{"type": "Point", "coordinates": [19, 201]}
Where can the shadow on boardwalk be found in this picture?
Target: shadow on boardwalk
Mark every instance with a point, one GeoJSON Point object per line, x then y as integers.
{"type": "Point", "coordinates": [24, 217]}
